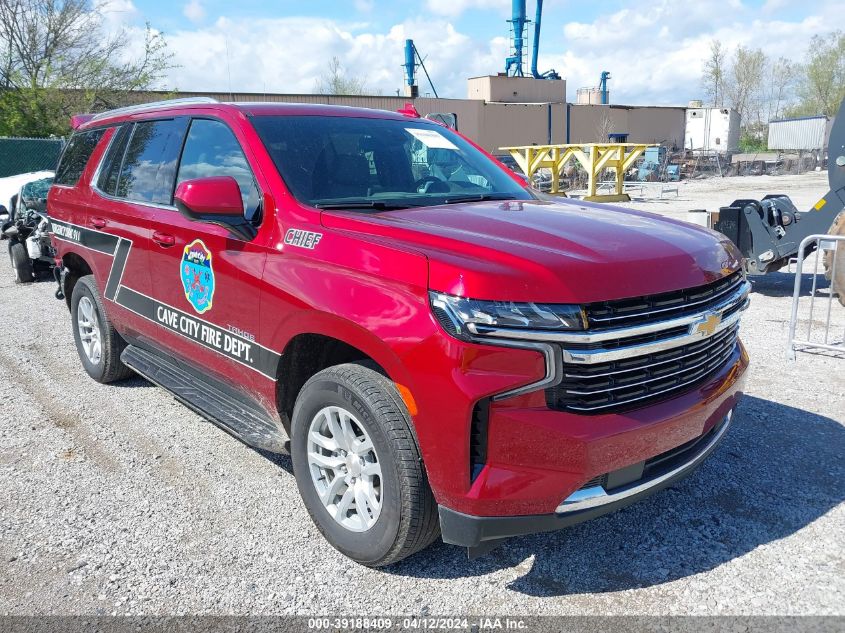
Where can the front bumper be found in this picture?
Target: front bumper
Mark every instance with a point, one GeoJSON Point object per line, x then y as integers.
{"type": "Point", "coordinates": [480, 534]}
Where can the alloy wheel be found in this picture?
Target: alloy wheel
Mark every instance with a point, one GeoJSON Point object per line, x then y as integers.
{"type": "Point", "coordinates": [89, 330]}
{"type": "Point", "coordinates": [344, 468]}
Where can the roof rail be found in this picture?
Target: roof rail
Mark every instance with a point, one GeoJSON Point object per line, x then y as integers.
{"type": "Point", "coordinates": [154, 105]}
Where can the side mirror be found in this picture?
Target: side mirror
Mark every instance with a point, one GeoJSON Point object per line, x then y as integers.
{"type": "Point", "coordinates": [4, 214]}
{"type": "Point", "coordinates": [448, 119]}
{"type": "Point", "coordinates": [209, 198]}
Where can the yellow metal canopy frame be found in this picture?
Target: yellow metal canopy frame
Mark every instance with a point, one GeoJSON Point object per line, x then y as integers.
{"type": "Point", "coordinates": [594, 157]}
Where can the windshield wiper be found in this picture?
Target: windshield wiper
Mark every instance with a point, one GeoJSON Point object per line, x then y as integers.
{"type": "Point", "coordinates": [371, 204]}
{"type": "Point", "coordinates": [479, 198]}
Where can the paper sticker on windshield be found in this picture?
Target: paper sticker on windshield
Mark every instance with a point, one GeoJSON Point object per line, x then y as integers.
{"type": "Point", "coordinates": [431, 138]}
{"type": "Point", "coordinates": [198, 276]}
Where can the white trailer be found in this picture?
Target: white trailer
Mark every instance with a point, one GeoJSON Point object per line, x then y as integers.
{"type": "Point", "coordinates": [712, 130]}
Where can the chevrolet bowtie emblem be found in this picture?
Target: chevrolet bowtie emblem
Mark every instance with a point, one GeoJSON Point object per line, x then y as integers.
{"type": "Point", "coordinates": [707, 326]}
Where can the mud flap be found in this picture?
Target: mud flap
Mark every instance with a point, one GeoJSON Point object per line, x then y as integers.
{"type": "Point", "coordinates": [483, 548]}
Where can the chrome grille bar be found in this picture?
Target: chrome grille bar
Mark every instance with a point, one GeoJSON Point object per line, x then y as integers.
{"type": "Point", "coordinates": [624, 403]}
{"type": "Point", "coordinates": [569, 368]}
{"type": "Point", "coordinates": [738, 297]}
{"type": "Point", "coordinates": [682, 306]}
{"type": "Point", "coordinates": [588, 357]}
{"type": "Point", "coordinates": [721, 353]}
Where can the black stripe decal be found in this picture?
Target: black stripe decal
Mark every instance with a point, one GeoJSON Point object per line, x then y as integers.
{"type": "Point", "coordinates": [117, 267]}
{"type": "Point", "coordinates": [95, 240]}
{"type": "Point", "coordinates": [237, 348]}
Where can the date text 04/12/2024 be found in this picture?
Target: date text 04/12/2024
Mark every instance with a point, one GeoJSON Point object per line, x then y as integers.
{"type": "Point", "coordinates": [477, 623]}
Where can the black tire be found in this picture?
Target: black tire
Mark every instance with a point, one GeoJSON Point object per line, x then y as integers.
{"type": "Point", "coordinates": [22, 264]}
{"type": "Point", "coordinates": [408, 521]}
{"type": "Point", "coordinates": [109, 368]}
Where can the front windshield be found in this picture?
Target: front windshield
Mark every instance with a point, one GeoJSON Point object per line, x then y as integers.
{"type": "Point", "coordinates": [377, 164]}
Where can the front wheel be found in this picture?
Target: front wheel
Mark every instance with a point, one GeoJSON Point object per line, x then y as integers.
{"type": "Point", "coordinates": [21, 263]}
{"type": "Point", "coordinates": [358, 467]}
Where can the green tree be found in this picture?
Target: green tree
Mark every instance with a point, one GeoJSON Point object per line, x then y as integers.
{"type": "Point", "coordinates": [821, 86]}
{"type": "Point", "coordinates": [713, 77]}
{"type": "Point", "coordinates": [781, 83]}
{"type": "Point", "coordinates": [59, 60]}
{"type": "Point", "coordinates": [743, 86]}
{"type": "Point", "coordinates": [337, 81]}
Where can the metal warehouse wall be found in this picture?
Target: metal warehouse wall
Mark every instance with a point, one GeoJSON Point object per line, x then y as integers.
{"type": "Point", "coordinates": [495, 125]}
{"type": "Point", "coordinates": [643, 124]}
{"type": "Point", "coordinates": [806, 133]}
{"type": "Point", "coordinates": [491, 125]}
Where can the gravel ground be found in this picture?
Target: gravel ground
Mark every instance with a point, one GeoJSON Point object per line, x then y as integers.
{"type": "Point", "coordinates": [712, 193]}
{"type": "Point", "coordinates": [117, 499]}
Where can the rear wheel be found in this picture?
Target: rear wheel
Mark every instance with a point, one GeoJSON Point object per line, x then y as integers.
{"type": "Point", "coordinates": [358, 467]}
{"type": "Point", "coordinates": [97, 342]}
{"type": "Point", "coordinates": [21, 263]}
{"type": "Point", "coordinates": [835, 270]}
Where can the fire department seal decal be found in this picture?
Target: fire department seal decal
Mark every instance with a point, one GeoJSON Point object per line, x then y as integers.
{"type": "Point", "coordinates": [198, 276]}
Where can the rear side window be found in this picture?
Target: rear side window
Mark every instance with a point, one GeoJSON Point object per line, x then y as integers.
{"type": "Point", "coordinates": [110, 168]}
{"type": "Point", "coordinates": [75, 157]}
{"type": "Point", "coordinates": [149, 164]}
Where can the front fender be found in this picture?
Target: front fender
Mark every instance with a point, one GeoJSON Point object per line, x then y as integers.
{"type": "Point", "coordinates": [334, 326]}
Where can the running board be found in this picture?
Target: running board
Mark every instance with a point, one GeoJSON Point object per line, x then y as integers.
{"type": "Point", "coordinates": [246, 422]}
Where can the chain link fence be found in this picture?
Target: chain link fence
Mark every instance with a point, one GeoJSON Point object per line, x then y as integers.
{"type": "Point", "coordinates": [23, 155]}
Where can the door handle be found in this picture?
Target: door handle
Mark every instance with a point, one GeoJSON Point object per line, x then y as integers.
{"type": "Point", "coordinates": [98, 223]}
{"type": "Point", "coordinates": [163, 239]}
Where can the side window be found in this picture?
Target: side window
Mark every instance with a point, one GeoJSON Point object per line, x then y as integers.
{"type": "Point", "coordinates": [75, 157]}
{"type": "Point", "coordinates": [149, 165]}
{"type": "Point", "coordinates": [211, 149]}
{"type": "Point", "coordinates": [112, 161]}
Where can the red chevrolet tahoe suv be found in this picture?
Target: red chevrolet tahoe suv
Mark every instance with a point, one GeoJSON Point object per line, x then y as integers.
{"type": "Point", "coordinates": [440, 351]}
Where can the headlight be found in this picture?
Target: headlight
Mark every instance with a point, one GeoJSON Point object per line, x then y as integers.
{"type": "Point", "coordinates": [467, 318]}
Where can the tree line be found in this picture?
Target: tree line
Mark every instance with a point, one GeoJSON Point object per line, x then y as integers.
{"type": "Point", "coordinates": [763, 88]}
{"type": "Point", "coordinates": [57, 59]}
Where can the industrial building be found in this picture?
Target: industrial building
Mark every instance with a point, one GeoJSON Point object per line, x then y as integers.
{"type": "Point", "coordinates": [525, 106]}
{"type": "Point", "coordinates": [493, 120]}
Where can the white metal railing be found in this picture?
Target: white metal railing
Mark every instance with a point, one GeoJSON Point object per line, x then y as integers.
{"type": "Point", "coordinates": [832, 322]}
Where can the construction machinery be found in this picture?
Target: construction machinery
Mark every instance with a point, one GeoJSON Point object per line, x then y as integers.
{"type": "Point", "coordinates": [768, 232]}
{"type": "Point", "coordinates": [519, 22]}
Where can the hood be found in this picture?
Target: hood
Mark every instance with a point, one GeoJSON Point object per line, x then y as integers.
{"type": "Point", "coordinates": [561, 252]}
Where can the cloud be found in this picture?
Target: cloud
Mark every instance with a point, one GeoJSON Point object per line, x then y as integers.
{"type": "Point", "coordinates": [289, 54]}
{"type": "Point", "coordinates": [655, 56]}
{"type": "Point", "coordinates": [194, 11]}
{"type": "Point", "coordinates": [454, 8]}
{"type": "Point", "coordinates": [116, 13]}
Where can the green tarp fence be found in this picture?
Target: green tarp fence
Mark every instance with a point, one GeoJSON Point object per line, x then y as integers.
{"type": "Point", "coordinates": [22, 155]}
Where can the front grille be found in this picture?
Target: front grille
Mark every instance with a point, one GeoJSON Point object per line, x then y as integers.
{"type": "Point", "coordinates": [624, 384]}
{"type": "Point", "coordinates": [620, 313]}
{"type": "Point", "coordinates": [598, 480]}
